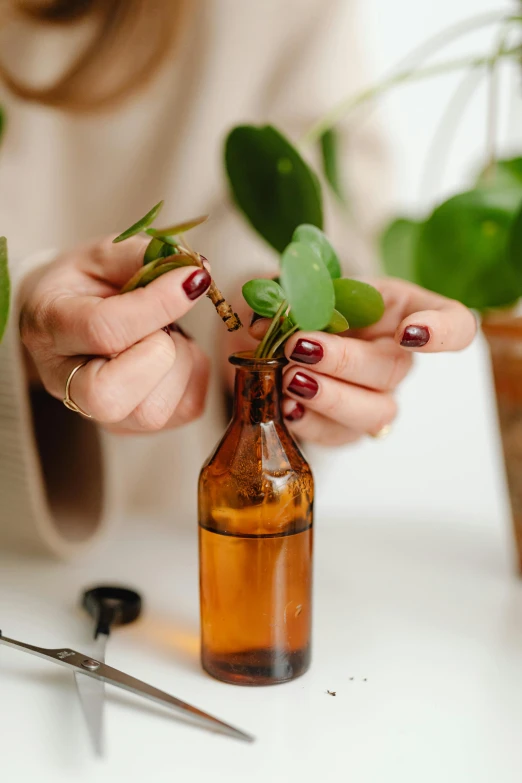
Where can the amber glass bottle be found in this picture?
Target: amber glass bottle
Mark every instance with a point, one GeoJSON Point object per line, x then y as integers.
{"type": "Point", "coordinates": [255, 539]}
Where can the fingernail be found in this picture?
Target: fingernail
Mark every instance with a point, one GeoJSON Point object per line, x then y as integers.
{"type": "Point", "coordinates": [296, 413]}
{"type": "Point", "coordinates": [196, 285]}
{"type": "Point", "coordinates": [415, 336]}
{"type": "Point", "coordinates": [255, 317]}
{"type": "Point", "coordinates": [303, 386]}
{"type": "Point", "coordinates": [307, 352]}
{"type": "Point", "coordinates": [166, 330]}
{"type": "Point", "coordinates": [179, 329]}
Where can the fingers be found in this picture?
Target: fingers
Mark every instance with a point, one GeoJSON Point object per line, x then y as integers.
{"type": "Point", "coordinates": [379, 365]}
{"type": "Point", "coordinates": [314, 428]}
{"type": "Point", "coordinates": [178, 399]}
{"type": "Point", "coordinates": [358, 409]}
{"type": "Point", "coordinates": [104, 327]}
{"type": "Point", "coordinates": [435, 323]}
{"type": "Point", "coordinates": [110, 389]}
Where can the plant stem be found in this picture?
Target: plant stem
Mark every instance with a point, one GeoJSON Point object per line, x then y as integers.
{"type": "Point", "coordinates": [492, 110]}
{"type": "Point", "coordinates": [223, 309]}
{"type": "Point", "coordinates": [282, 340]}
{"type": "Point", "coordinates": [260, 351]}
{"type": "Point", "coordinates": [351, 103]}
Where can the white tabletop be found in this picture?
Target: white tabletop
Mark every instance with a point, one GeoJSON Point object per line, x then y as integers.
{"type": "Point", "coordinates": [418, 630]}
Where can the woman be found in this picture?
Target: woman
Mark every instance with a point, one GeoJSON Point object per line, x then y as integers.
{"type": "Point", "coordinates": [93, 141]}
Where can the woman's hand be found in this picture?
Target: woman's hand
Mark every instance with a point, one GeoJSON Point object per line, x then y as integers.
{"type": "Point", "coordinates": [139, 376]}
{"type": "Point", "coordinates": [339, 388]}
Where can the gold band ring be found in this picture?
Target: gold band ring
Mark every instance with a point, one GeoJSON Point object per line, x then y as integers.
{"type": "Point", "coordinates": [67, 401]}
{"type": "Point", "coordinates": [383, 432]}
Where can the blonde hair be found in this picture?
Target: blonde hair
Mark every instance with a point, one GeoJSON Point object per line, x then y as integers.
{"type": "Point", "coordinates": [131, 39]}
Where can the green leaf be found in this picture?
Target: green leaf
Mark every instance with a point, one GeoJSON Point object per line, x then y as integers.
{"type": "Point", "coordinates": [314, 237]}
{"type": "Point", "coordinates": [177, 228]}
{"type": "Point", "coordinates": [462, 251]}
{"type": "Point", "coordinates": [5, 287]}
{"type": "Point", "coordinates": [398, 245]}
{"type": "Point", "coordinates": [263, 296]}
{"type": "Point", "coordinates": [173, 241]}
{"type": "Point", "coordinates": [337, 323]}
{"type": "Point", "coordinates": [146, 274]}
{"type": "Point", "coordinates": [330, 158]}
{"type": "Point", "coordinates": [308, 286]}
{"type": "Point", "coordinates": [360, 303]}
{"type": "Point", "coordinates": [156, 249]}
{"type": "Point", "coordinates": [505, 173]}
{"type": "Point", "coordinates": [141, 224]}
{"type": "Point", "coordinates": [271, 183]}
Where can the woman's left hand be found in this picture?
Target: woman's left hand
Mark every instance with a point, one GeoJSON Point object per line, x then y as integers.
{"type": "Point", "coordinates": [339, 388]}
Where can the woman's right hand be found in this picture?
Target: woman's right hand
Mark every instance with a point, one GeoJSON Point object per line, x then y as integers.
{"type": "Point", "coordinates": [137, 378]}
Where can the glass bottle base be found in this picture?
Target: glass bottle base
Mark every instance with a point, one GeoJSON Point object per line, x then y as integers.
{"type": "Point", "coordinates": [258, 667]}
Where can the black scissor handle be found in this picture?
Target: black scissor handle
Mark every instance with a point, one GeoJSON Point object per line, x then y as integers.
{"type": "Point", "coordinates": [111, 606]}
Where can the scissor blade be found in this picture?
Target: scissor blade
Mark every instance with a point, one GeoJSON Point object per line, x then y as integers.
{"type": "Point", "coordinates": [140, 688]}
{"type": "Point", "coordinates": [92, 695]}
{"type": "Point", "coordinates": [72, 659]}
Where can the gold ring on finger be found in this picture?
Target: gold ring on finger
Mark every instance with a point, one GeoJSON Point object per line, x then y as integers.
{"type": "Point", "coordinates": [67, 400]}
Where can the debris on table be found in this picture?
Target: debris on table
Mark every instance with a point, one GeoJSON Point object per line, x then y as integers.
{"type": "Point", "coordinates": [332, 693]}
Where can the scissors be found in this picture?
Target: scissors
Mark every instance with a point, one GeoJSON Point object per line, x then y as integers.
{"type": "Point", "coordinates": [112, 606]}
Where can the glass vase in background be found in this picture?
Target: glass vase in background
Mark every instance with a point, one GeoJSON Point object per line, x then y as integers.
{"type": "Point", "coordinates": [504, 335]}
{"type": "Point", "coordinates": [255, 539]}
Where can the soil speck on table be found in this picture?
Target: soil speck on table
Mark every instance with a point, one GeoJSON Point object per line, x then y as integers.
{"type": "Point", "coordinates": [332, 693]}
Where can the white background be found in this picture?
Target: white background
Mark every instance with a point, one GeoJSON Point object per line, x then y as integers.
{"type": "Point", "coordinates": [442, 459]}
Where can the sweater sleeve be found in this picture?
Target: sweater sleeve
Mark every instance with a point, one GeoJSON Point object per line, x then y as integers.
{"type": "Point", "coordinates": [52, 497]}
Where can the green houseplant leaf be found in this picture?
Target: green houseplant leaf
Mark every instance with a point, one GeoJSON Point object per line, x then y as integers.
{"type": "Point", "coordinates": [505, 173]}
{"type": "Point", "coordinates": [308, 286]}
{"type": "Point", "coordinates": [313, 236]}
{"type": "Point", "coordinates": [177, 228]}
{"type": "Point", "coordinates": [360, 303]}
{"type": "Point", "coordinates": [156, 249]}
{"type": "Point", "coordinates": [330, 158]}
{"type": "Point", "coordinates": [5, 287]}
{"type": "Point", "coordinates": [462, 250]}
{"type": "Point", "coordinates": [141, 224]}
{"type": "Point", "coordinates": [337, 323]}
{"type": "Point", "coordinates": [263, 296]}
{"type": "Point", "coordinates": [271, 183]}
{"type": "Point", "coordinates": [398, 244]}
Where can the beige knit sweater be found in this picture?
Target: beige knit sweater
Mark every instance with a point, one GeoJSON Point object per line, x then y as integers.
{"type": "Point", "coordinates": [66, 179]}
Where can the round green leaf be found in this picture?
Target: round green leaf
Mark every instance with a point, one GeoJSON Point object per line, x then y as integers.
{"type": "Point", "coordinates": [313, 236]}
{"type": "Point", "coordinates": [271, 183]}
{"type": "Point", "coordinates": [337, 323]}
{"type": "Point", "coordinates": [263, 296]}
{"type": "Point", "coordinates": [308, 286]}
{"type": "Point", "coordinates": [142, 224]}
{"type": "Point", "coordinates": [360, 303]}
{"type": "Point", "coordinates": [462, 251]}
{"type": "Point", "coordinates": [5, 287]}
{"type": "Point", "coordinates": [398, 246]}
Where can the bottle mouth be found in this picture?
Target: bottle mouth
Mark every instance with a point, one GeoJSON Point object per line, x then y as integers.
{"type": "Point", "coordinates": [247, 359]}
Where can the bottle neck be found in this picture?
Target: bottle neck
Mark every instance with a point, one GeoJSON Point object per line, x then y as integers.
{"type": "Point", "coordinates": [258, 394]}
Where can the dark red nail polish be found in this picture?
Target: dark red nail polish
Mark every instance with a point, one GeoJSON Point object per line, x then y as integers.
{"type": "Point", "coordinates": [255, 317]}
{"type": "Point", "coordinates": [296, 413]}
{"type": "Point", "coordinates": [415, 336]}
{"type": "Point", "coordinates": [303, 386]}
{"type": "Point", "coordinates": [166, 330]}
{"type": "Point", "coordinates": [307, 352]}
{"type": "Point", "coordinates": [196, 285]}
